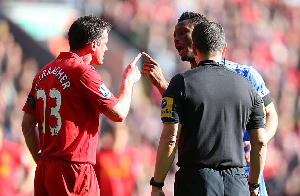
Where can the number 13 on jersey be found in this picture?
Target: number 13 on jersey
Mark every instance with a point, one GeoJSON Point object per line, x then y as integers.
{"type": "Point", "coordinates": [54, 111]}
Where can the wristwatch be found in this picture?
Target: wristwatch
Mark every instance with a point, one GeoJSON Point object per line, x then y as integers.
{"type": "Point", "coordinates": [253, 185]}
{"type": "Point", "coordinates": [156, 184]}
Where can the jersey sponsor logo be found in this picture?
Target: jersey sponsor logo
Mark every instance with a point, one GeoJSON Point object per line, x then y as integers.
{"type": "Point", "coordinates": [166, 107]}
{"type": "Point", "coordinates": [105, 93]}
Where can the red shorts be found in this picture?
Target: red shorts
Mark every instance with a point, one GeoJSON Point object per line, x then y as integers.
{"type": "Point", "coordinates": [58, 177]}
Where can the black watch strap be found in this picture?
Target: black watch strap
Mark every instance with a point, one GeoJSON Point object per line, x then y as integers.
{"type": "Point", "coordinates": [253, 185]}
{"type": "Point", "coordinates": [156, 184]}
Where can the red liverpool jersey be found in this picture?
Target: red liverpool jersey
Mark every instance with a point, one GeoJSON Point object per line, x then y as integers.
{"type": "Point", "coordinates": [67, 97]}
{"type": "Point", "coordinates": [11, 156]}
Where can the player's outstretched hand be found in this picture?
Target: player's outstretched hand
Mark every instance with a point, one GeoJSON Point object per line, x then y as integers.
{"type": "Point", "coordinates": [153, 70]}
{"type": "Point", "coordinates": [132, 73]}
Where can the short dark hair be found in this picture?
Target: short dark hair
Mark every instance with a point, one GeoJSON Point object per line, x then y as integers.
{"type": "Point", "coordinates": [193, 17]}
{"type": "Point", "coordinates": [85, 30]}
{"type": "Point", "coordinates": [209, 37]}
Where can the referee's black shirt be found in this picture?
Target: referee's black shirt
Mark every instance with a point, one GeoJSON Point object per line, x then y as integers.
{"type": "Point", "coordinates": [214, 105]}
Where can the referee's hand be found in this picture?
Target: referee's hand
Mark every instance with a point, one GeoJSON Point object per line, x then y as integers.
{"type": "Point", "coordinates": [157, 191]}
{"type": "Point", "coordinates": [254, 191]}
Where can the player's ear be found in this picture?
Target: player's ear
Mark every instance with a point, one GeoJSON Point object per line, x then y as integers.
{"type": "Point", "coordinates": [195, 52]}
{"type": "Point", "coordinates": [93, 45]}
{"type": "Point", "coordinates": [224, 49]}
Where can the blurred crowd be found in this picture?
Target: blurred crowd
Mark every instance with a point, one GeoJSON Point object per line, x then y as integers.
{"type": "Point", "coordinates": [16, 165]}
{"type": "Point", "coordinates": [261, 33]}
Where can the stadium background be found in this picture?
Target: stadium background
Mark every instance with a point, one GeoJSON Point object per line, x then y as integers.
{"type": "Point", "coordinates": [261, 33]}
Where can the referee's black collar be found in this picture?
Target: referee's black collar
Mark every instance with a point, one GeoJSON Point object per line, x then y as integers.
{"type": "Point", "coordinates": [209, 62]}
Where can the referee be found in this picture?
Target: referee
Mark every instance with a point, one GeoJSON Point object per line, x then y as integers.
{"type": "Point", "coordinates": [205, 112]}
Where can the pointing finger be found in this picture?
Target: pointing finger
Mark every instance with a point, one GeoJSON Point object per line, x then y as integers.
{"type": "Point", "coordinates": [149, 57]}
{"type": "Point", "coordinates": [135, 60]}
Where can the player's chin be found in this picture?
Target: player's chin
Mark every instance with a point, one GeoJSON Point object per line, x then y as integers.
{"type": "Point", "coordinates": [188, 58]}
{"type": "Point", "coordinates": [96, 64]}
{"type": "Point", "coordinates": [100, 62]}
{"type": "Point", "coordinates": [184, 58]}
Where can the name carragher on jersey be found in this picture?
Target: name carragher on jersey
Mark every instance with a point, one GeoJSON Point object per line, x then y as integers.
{"type": "Point", "coordinates": [59, 73]}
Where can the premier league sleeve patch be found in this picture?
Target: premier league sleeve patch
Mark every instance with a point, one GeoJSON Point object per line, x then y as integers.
{"type": "Point", "coordinates": [105, 93]}
{"type": "Point", "coordinates": [166, 107]}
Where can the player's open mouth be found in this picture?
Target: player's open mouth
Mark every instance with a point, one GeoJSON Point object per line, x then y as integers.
{"type": "Point", "coordinates": [180, 49]}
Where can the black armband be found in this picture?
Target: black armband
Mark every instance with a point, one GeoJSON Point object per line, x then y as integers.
{"type": "Point", "coordinates": [253, 185]}
{"type": "Point", "coordinates": [31, 101]}
{"type": "Point", "coordinates": [156, 184]}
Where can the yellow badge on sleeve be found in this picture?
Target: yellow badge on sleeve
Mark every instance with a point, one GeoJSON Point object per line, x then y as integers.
{"type": "Point", "coordinates": [166, 107]}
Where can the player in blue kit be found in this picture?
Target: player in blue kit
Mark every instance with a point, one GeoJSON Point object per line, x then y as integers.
{"type": "Point", "coordinates": [183, 43]}
{"type": "Point", "coordinates": [259, 84]}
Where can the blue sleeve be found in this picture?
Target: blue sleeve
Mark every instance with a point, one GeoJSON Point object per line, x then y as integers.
{"type": "Point", "coordinates": [258, 82]}
{"type": "Point", "coordinates": [250, 73]}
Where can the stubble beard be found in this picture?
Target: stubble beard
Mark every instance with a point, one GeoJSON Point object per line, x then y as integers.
{"type": "Point", "coordinates": [188, 57]}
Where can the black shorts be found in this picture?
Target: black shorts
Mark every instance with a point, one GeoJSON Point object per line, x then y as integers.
{"type": "Point", "coordinates": [211, 182]}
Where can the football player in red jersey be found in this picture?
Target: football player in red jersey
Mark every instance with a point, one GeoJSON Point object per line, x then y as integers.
{"type": "Point", "coordinates": [66, 99]}
{"type": "Point", "coordinates": [13, 159]}
{"type": "Point", "coordinates": [117, 162]}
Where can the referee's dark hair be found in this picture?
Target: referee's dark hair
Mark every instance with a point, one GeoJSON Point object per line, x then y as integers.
{"type": "Point", "coordinates": [209, 38]}
{"type": "Point", "coordinates": [85, 30]}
